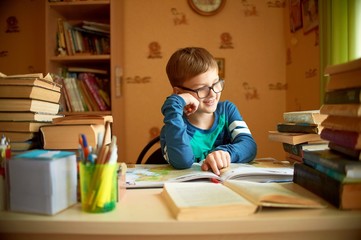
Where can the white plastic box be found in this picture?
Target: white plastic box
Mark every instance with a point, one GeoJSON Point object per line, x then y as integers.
{"type": "Point", "coordinates": [42, 181]}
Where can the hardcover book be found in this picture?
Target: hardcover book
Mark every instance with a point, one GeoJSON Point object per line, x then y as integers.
{"type": "Point", "coordinates": [28, 116]}
{"type": "Point", "coordinates": [342, 123]}
{"type": "Point", "coordinates": [299, 127]}
{"type": "Point", "coordinates": [84, 119]}
{"type": "Point", "coordinates": [309, 116]}
{"type": "Point", "coordinates": [11, 126]}
{"type": "Point", "coordinates": [25, 105]}
{"type": "Point", "coordinates": [348, 139]}
{"type": "Point", "coordinates": [202, 201]}
{"type": "Point", "coordinates": [343, 96]}
{"type": "Point", "coordinates": [33, 92]}
{"type": "Point", "coordinates": [341, 195]}
{"type": "Point", "coordinates": [347, 110]}
{"type": "Point", "coordinates": [293, 138]}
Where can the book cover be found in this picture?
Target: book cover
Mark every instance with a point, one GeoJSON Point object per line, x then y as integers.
{"type": "Point", "coordinates": [347, 110]}
{"type": "Point", "coordinates": [343, 96]}
{"type": "Point", "coordinates": [30, 81]}
{"type": "Point", "coordinates": [341, 195]}
{"type": "Point", "coordinates": [293, 138]}
{"type": "Point", "coordinates": [83, 119]}
{"type": "Point", "coordinates": [33, 92]}
{"type": "Point", "coordinates": [92, 86]}
{"type": "Point", "coordinates": [43, 182]}
{"type": "Point", "coordinates": [308, 116]}
{"type": "Point", "coordinates": [28, 116]}
{"type": "Point", "coordinates": [332, 160]}
{"type": "Point", "coordinates": [351, 153]}
{"type": "Point", "coordinates": [32, 105]}
{"type": "Point", "coordinates": [342, 123]}
{"type": "Point", "coordinates": [349, 139]}
{"type": "Point", "coordinates": [298, 149]}
{"type": "Point", "coordinates": [67, 136]}
{"type": "Point", "coordinates": [298, 127]}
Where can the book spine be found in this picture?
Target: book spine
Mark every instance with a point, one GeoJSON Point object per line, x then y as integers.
{"type": "Point", "coordinates": [298, 128]}
{"type": "Point", "coordinates": [93, 88]}
{"type": "Point", "coordinates": [326, 170]}
{"type": "Point", "coordinates": [352, 95]}
{"type": "Point", "coordinates": [318, 183]}
{"type": "Point", "coordinates": [347, 79]}
{"type": "Point", "coordinates": [352, 124]}
{"type": "Point", "coordinates": [347, 110]}
{"type": "Point", "coordinates": [293, 149]}
{"type": "Point", "coordinates": [353, 154]}
{"type": "Point", "coordinates": [314, 159]}
{"type": "Point", "coordinates": [343, 138]}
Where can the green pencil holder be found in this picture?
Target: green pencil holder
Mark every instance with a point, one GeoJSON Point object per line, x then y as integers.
{"type": "Point", "coordinates": [98, 187]}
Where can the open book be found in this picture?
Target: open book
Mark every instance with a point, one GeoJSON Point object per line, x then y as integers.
{"type": "Point", "coordinates": [270, 170]}
{"type": "Point", "coordinates": [207, 201]}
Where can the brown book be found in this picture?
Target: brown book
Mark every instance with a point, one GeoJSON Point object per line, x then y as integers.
{"type": "Point", "coordinates": [27, 116]}
{"type": "Point", "coordinates": [30, 80]}
{"type": "Point", "coordinates": [26, 126]}
{"type": "Point", "coordinates": [67, 136]}
{"type": "Point", "coordinates": [233, 198]}
{"type": "Point", "coordinates": [342, 123]}
{"type": "Point", "coordinates": [293, 138]}
{"type": "Point", "coordinates": [19, 136]}
{"type": "Point", "coordinates": [32, 105]}
{"type": "Point", "coordinates": [33, 92]}
{"type": "Point", "coordinates": [83, 119]}
{"type": "Point", "coordinates": [347, 110]}
{"type": "Point", "coordinates": [308, 116]}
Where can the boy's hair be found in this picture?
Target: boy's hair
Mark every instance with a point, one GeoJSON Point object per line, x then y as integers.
{"type": "Point", "coordinates": [188, 62]}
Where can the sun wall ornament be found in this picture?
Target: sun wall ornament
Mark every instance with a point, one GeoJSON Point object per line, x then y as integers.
{"type": "Point", "coordinates": [250, 92]}
{"type": "Point", "coordinates": [12, 25]}
{"type": "Point", "coordinates": [179, 17]}
{"type": "Point", "coordinates": [154, 50]}
{"type": "Point", "coordinates": [226, 41]}
{"type": "Point", "coordinates": [249, 9]}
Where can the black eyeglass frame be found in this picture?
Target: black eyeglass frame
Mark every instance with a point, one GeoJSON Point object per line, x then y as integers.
{"type": "Point", "coordinates": [209, 88]}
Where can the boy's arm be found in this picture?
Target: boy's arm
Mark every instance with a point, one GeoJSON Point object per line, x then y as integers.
{"type": "Point", "coordinates": [242, 147]}
{"type": "Point", "coordinates": [174, 139]}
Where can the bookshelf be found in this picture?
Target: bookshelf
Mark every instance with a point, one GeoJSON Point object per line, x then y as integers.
{"type": "Point", "coordinates": [100, 11]}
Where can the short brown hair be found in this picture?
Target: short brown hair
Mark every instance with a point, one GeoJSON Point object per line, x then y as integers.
{"type": "Point", "coordinates": [188, 62]}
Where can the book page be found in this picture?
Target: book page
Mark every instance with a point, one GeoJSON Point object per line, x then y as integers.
{"type": "Point", "coordinates": [275, 194]}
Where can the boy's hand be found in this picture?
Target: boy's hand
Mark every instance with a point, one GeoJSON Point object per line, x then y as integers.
{"type": "Point", "coordinates": [216, 160]}
{"type": "Point", "coordinates": [191, 103]}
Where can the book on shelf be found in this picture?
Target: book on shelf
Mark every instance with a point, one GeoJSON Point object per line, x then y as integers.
{"type": "Point", "coordinates": [73, 94]}
{"type": "Point", "coordinates": [347, 110]}
{"type": "Point", "coordinates": [21, 126]}
{"type": "Point", "coordinates": [308, 116]}
{"type": "Point", "coordinates": [87, 70]}
{"type": "Point", "coordinates": [97, 25]}
{"type": "Point", "coordinates": [345, 75]}
{"type": "Point", "coordinates": [293, 138]}
{"type": "Point", "coordinates": [341, 195]}
{"type": "Point", "coordinates": [67, 136]}
{"type": "Point", "coordinates": [333, 161]}
{"type": "Point", "coordinates": [148, 175]}
{"type": "Point", "coordinates": [203, 201]}
{"type": "Point", "coordinates": [35, 79]}
{"type": "Point", "coordinates": [83, 119]}
{"type": "Point", "coordinates": [350, 139]}
{"type": "Point", "coordinates": [32, 105]}
{"type": "Point", "coordinates": [342, 123]}
{"type": "Point", "coordinates": [28, 116]}
{"type": "Point", "coordinates": [33, 92]}
{"type": "Point", "coordinates": [293, 127]}
{"type": "Point", "coordinates": [351, 153]}
{"type": "Point", "coordinates": [343, 96]}
{"type": "Point", "coordinates": [19, 136]}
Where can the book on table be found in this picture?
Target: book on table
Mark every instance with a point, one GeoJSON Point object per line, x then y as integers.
{"type": "Point", "coordinates": [308, 116]}
{"type": "Point", "coordinates": [341, 195]}
{"type": "Point", "coordinates": [343, 96]}
{"type": "Point", "coordinates": [28, 116]}
{"type": "Point", "coordinates": [347, 110]}
{"type": "Point", "coordinates": [233, 198]}
{"type": "Point", "coordinates": [293, 138]}
{"type": "Point", "coordinates": [293, 127]}
{"type": "Point", "coordinates": [350, 139]}
{"type": "Point", "coordinates": [20, 136]}
{"type": "Point", "coordinates": [84, 119]}
{"type": "Point", "coordinates": [342, 123]}
{"type": "Point", "coordinates": [24, 105]}
{"type": "Point", "coordinates": [33, 92]}
{"type": "Point", "coordinates": [260, 170]}
{"type": "Point", "coordinates": [21, 126]}
{"type": "Point", "coordinates": [351, 153]}
{"type": "Point", "coordinates": [56, 136]}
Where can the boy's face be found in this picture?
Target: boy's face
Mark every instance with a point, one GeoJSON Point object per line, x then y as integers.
{"type": "Point", "coordinates": [203, 81]}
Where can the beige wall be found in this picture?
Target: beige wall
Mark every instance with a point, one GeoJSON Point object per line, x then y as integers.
{"type": "Point", "coordinates": [256, 68]}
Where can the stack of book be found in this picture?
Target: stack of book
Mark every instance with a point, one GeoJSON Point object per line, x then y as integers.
{"type": "Point", "coordinates": [27, 102]}
{"type": "Point", "coordinates": [300, 130]}
{"type": "Point", "coordinates": [335, 173]}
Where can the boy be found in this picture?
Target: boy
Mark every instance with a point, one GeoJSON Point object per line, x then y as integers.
{"type": "Point", "coordinates": [197, 127]}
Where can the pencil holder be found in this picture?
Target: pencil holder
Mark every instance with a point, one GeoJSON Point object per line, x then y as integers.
{"type": "Point", "coordinates": [98, 187]}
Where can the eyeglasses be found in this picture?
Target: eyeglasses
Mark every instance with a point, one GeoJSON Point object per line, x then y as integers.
{"type": "Point", "coordinates": [203, 92]}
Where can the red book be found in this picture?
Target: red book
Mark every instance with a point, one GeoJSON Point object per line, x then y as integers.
{"type": "Point", "coordinates": [91, 84]}
{"type": "Point", "coordinates": [348, 139]}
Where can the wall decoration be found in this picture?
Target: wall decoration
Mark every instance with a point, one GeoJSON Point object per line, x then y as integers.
{"type": "Point", "coordinates": [4, 53]}
{"type": "Point", "coordinates": [276, 3]}
{"type": "Point", "coordinates": [154, 132]}
{"type": "Point", "coordinates": [249, 9]}
{"type": "Point", "coordinates": [154, 50]}
{"type": "Point", "coordinates": [207, 7]}
{"type": "Point", "coordinates": [309, 15]}
{"type": "Point", "coordinates": [12, 25]}
{"type": "Point", "coordinates": [250, 92]}
{"type": "Point", "coordinates": [295, 15]}
{"type": "Point", "coordinates": [277, 86]}
{"type": "Point", "coordinates": [179, 17]}
{"type": "Point", "coordinates": [226, 40]}
{"type": "Point", "coordinates": [138, 80]}
{"type": "Point", "coordinates": [221, 67]}
{"type": "Point", "coordinates": [311, 73]}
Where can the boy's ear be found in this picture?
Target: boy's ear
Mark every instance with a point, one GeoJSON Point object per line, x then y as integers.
{"type": "Point", "coordinates": [176, 90]}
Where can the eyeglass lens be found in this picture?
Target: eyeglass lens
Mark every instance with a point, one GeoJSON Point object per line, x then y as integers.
{"type": "Point", "coordinates": [217, 88]}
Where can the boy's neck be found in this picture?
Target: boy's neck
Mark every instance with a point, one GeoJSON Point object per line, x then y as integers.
{"type": "Point", "coordinates": [202, 120]}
